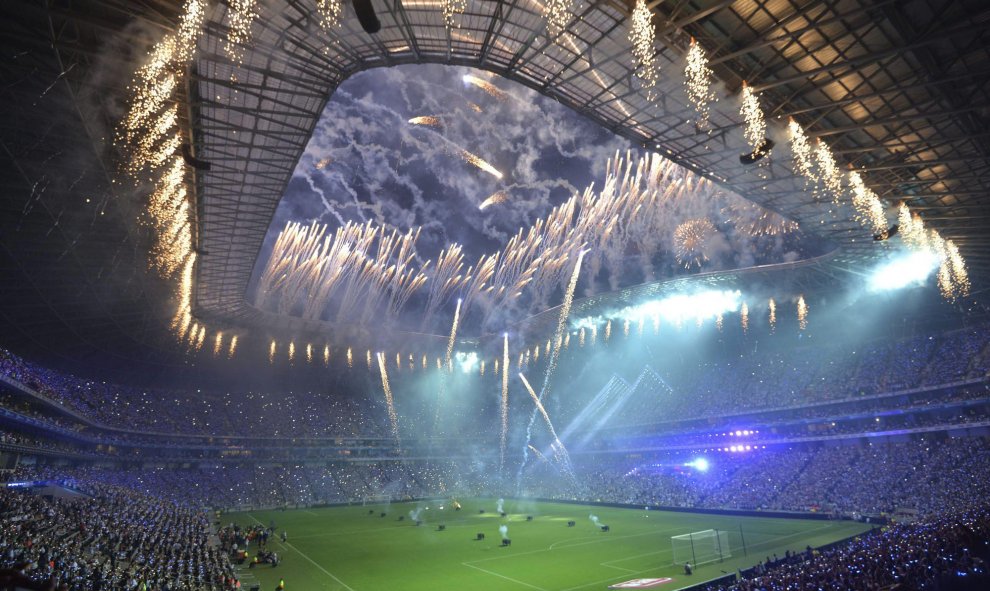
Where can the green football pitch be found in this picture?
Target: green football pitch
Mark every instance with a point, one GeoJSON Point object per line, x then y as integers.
{"type": "Point", "coordinates": [356, 549]}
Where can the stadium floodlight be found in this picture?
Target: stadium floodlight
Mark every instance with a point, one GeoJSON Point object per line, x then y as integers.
{"type": "Point", "coordinates": [904, 271]}
{"type": "Point", "coordinates": [700, 464]}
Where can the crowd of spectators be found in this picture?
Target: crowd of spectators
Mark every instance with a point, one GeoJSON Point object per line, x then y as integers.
{"type": "Point", "coordinates": [111, 538]}
{"type": "Point", "coordinates": [762, 380]}
{"type": "Point", "coordinates": [942, 552]}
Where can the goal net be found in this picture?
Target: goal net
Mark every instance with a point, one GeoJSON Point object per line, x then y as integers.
{"type": "Point", "coordinates": [701, 547]}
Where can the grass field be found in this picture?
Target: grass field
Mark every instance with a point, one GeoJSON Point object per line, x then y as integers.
{"type": "Point", "coordinates": [346, 548]}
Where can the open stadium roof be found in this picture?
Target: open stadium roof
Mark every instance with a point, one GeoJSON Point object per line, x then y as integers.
{"type": "Point", "coordinates": [899, 89]}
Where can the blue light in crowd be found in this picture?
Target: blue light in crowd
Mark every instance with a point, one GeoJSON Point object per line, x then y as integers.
{"type": "Point", "coordinates": [700, 464]}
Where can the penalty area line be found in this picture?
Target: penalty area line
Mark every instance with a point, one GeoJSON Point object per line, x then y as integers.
{"type": "Point", "coordinates": [311, 561]}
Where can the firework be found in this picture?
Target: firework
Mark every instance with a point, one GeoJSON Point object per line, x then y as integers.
{"type": "Point", "coordinates": [540, 455]}
{"type": "Point", "coordinates": [367, 358]}
{"type": "Point", "coordinates": [477, 162]}
{"type": "Point", "coordinates": [757, 221]}
{"type": "Point", "coordinates": [393, 418]}
{"type": "Point", "coordinates": [801, 152]}
{"type": "Point", "coordinates": [233, 347]}
{"type": "Point", "coordinates": [323, 163]}
{"type": "Point", "coordinates": [581, 337]}
{"type": "Point", "coordinates": [490, 89]}
{"type": "Point", "coordinates": [828, 171]}
{"type": "Point", "coordinates": [772, 305]}
{"type": "Point", "coordinates": [481, 368]}
{"type": "Point", "coordinates": [755, 131]}
{"type": "Point", "coordinates": [960, 276]}
{"type": "Point", "coordinates": [309, 353]}
{"type": "Point", "coordinates": [608, 330]}
{"type": "Point", "coordinates": [450, 9]}
{"type": "Point", "coordinates": [642, 38]}
{"type": "Point", "coordinates": [350, 358]}
{"type": "Point", "coordinates": [698, 83]}
{"type": "Point", "coordinates": [744, 317]}
{"type": "Point", "coordinates": [201, 337]}
{"type": "Point", "coordinates": [326, 355]}
{"type": "Point", "coordinates": [690, 241]}
{"type": "Point", "coordinates": [912, 229]}
{"type": "Point", "coordinates": [330, 12]}
{"type": "Point", "coordinates": [802, 313]}
{"type": "Point", "coordinates": [218, 344]}
{"type": "Point", "coordinates": [495, 198]}
{"type": "Point", "coordinates": [398, 362]}
{"type": "Point", "coordinates": [869, 210]}
{"type": "Point", "coordinates": [539, 406]}
{"type": "Point", "coordinates": [271, 352]}
{"type": "Point", "coordinates": [427, 120]}
{"type": "Point", "coordinates": [241, 16]}
{"type": "Point", "coordinates": [292, 351]}
{"type": "Point", "coordinates": [558, 13]}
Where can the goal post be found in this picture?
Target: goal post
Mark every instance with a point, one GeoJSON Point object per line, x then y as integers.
{"type": "Point", "coordinates": [701, 547]}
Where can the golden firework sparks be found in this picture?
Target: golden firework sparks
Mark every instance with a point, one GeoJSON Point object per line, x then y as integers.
{"type": "Point", "coordinates": [802, 313]}
{"type": "Point", "coordinates": [309, 352]}
{"type": "Point", "coordinates": [691, 240]}
{"type": "Point", "coordinates": [350, 358]}
{"type": "Point", "coordinates": [233, 347]}
{"type": "Point", "coordinates": [330, 12]}
{"type": "Point", "coordinates": [481, 164]}
{"type": "Point", "coordinates": [698, 83]}
{"type": "Point", "coordinates": [558, 13]}
{"type": "Point", "coordinates": [292, 351]}
{"type": "Point", "coordinates": [326, 355]}
{"type": "Point", "coordinates": [450, 9]}
{"type": "Point", "coordinates": [218, 344]}
{"type": "Point", "coordinates": [427, 120]}
{"type": "Point", "coordinates": [801, 152]}
{"type": "Point", "coordinates": [642, 37]}
{"type": "Point", "coordinates": [755, 131]}
{"type": "Point", "coordinates": [271, 352]}
{"type": "Point", "coordinates": [608, 330]}
{"type": "Point", "coordinates": [393, 417]}
{"type": "Point", "coordinates": [828, 171]}
{"type": "Point", "coordinates": [241, 15]}
{"type": "Point", "coordinates": [744, 317]}
{"type": "Point", "coordinates": [489, 88]}
{"type": "Point", "coordinates": [869, 210]}
{"type": "Point", "coordinates": [494, 199]}
{"type": "Point", "coordinates": [772, 305]}
{"type": "Point", "coordinates": [323, 163]}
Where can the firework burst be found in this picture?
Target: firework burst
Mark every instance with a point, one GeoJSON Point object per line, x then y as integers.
{"type": "Point", "coordinates": [690, 241]}
{"type": "Point", "coordinates": [494, 199]}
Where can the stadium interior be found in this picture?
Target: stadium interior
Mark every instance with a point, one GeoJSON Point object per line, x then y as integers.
{"type": "Point", "coordinates": [365, 295]}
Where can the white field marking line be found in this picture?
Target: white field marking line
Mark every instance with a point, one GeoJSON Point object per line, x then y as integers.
{"type": "Point", "coordinates": [602, 539]}
{"type": "Point", "coordinates": [518, 582]}
{"type": "Point", "coordinates": [311, 561]}
{"type": "Point", "coordinates": [671, 551]}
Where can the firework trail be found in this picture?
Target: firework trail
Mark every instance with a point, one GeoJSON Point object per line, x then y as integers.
{"type": "Point", "coordinates": [560, 452]}
{"type": "Point", "coordinates": [323, 163]}
{"type": "Point", "coordinates": [479, 163]}
{"type": "Point", "coordinates": [393, 418]}
{"type": "Point", "coordinates": [489, 88]}
{"type": "Point", "coordinates": [233, 347]}
{"type": "Point", "coordinates": [444, 373]}
{"type": "Point", "coordinates": [494, 199]}
{"type": "Point", "coordinates": [505, 398]}
{"type": "Point", "coordinates": [565, 310]}
{"type": "Point", "coordinates": [428, 121]}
